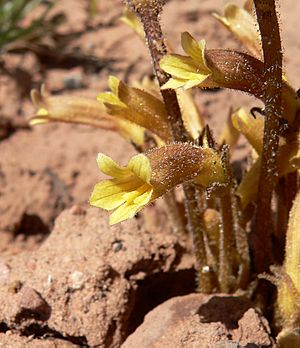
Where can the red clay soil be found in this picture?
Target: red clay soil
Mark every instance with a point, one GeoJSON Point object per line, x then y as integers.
{"type": "Point", "coordinates": [205, 321]}
{"type": "Point", "coordinates": [67, 278]}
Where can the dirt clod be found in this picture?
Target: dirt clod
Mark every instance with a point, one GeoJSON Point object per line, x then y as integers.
{"type": "Point", "coordinates": [205, 321]}
{"type": "Point", "coordinates": [31, 304]}
{"type": "Point", "coordinates": [82, 287]}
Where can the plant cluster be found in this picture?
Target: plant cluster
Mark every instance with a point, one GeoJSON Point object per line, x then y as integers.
{"type": "Point", "coordinates": [13, 26]}
{"type": "Point", "coordinates": [239, 228]}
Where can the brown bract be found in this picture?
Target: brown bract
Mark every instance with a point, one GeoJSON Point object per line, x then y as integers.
{"type": "Point", "coordinates": [171, 162]}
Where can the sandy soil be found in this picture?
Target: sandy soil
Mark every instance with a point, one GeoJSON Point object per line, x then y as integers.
{"type": "Point", "coordinates": [67, 279]}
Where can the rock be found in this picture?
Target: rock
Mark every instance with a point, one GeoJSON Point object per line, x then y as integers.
{"type": "Point", "coordinates": [206, 321]}
{"type": "Point", "coordinates": [32, 305]}
{"type": "Point", "coordinates": [11, 340]}
{"type": "Point", "coordinates": [92, 283]}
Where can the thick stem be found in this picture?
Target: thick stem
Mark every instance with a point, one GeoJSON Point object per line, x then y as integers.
{"type": "Point", "coordinates": [271, 44]}
{"type": "Point", "coordinates": [227, 245]}
{"type": "Point", "coordinates": [149, 17]}
{"type": "Point", "coordinates": [175, 213]}
{"type": "Point", "coordinates": [197, 228]}
{"type": "Point", "coordinates": [148, 12]}
{"type": "Point", "coordinates": [242, 243]}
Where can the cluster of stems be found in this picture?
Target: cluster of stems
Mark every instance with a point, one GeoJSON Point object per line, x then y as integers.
{"type": "Point", "coordinates": [233, 270]}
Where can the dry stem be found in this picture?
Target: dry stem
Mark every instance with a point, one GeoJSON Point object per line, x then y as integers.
{"type": "Point", "coordinates": [149, 12]}
{"type": "Point", "coordinates": [271, 44]}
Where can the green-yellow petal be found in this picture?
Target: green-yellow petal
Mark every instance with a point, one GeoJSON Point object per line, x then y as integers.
{"type": "Point", "coordinates": [113, 83]}
{"type": "Point", "coordinates": [243, 25]}
{"type": "Point", "coordinates": [140, 166]}
{"type": "Point", "coordinates": [131, 131]}
{"type": "Point", "coordinates": [179, 66]}
{"type": "Point", "coordinates": [107, 196]}
{"type": "Point", "coordinates": [124, 212]}
{"type": "Point", "coordinates": [127, 211]}
{"type": "Point", "coordinates": [144, 198]}
{"type": "Point", "coordinates": [111, 168]}
{"type": "Point", "coordinates": [110, 98]}
{"type": "Point", "coordinates": [173, 83]}
{"type": "Point", "coordinates": [193, 83]}
{"type": "Point", "coordinates": [196, 50]}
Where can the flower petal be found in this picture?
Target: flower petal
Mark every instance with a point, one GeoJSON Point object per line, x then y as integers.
{"type": "Point", "coordinates": [252, 128]}
{"type": "Point", "coordinates": [126, 211]}
{"type": "Point", "coordinates": [113, 83]}
{"type": "Point", "coordinates": [131, 131]}
{"type": "Point", "coordinates": [110, 194]}
{"type": "Point", "coordinates": [196, 50]}
{"type": "Point", "coordinates": [111, 168]}
{"type": "Point", "coordinates": [194, 83]}
{"type": "Point", "coordinates": [144, 198]}
{"type": "Point", "coordinates": [243, 25]}
{"type": "Point", "coordinates": [140, 166]}
{"type": "Point", "coordinates": [110, 98]}
{"type": "Point", "coordinates": [133, 22]}
{"type": "Point", "coordinates": [173, 84]}
{"type": "Point", "coordinates": [192, 118]}
{"type": "Point", "coordinates": [180, 66]}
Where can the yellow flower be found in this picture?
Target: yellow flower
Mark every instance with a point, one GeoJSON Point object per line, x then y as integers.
{"type": "Point", "coordinates": [288, 153]}
{"type": "Point", "coordinates": [130, 18]}
{"type": "Point", "coordinates": [79, 110]}
{"type": "Point", "coordinates": [137, 106]}
{"type": "Point", "coordinates": [187, 71]}
{"type": "Point", "coordinates": [149, 176]}
{"type": "Point", "coordinates": [129, 190]}
{"type": "Point", "coordinates": [243, 25]}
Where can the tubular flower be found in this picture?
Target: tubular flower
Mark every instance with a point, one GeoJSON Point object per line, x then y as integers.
{"type": "Point", "coordinates": [187, 71]}
{"type": "Point", "coordinates": [191, 115]}
{"type": "Point", "coordinates": [133, 22]}
{"type": "Point", "coordinates": [81, 111]}
{"type": "Point", "coordinates": [252, 128]}
{"type": "Point", "coordinates": [212, 68]}
{"type": "Point", "coordinates": [149, 176]}
{"type": "Point", "coordinates": [129, 190]}
{"type": "Point", "coordinates": [137, 106]}
{"type": "Point", "coordinates": [243, 25]}
{"type": "Point", "coordinates": [288, 155]}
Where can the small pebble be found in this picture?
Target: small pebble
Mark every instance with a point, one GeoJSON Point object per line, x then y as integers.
{"type": "Point", "coordinates": [117, 246]}
{"type": "Point", "coordinates": [32, 303]}
{"type": "Point", "coordinates": [77, 280]}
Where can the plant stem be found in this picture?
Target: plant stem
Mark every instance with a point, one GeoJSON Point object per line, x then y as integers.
{"type": "Point", "coordinates": [149, 11]}
{"type": "Point", "coordinates": [157, 48]}
{"type": "Point", "coordinates": [271, 44]}
{"type": "Point", "coordinates": [227, 244]}
{"type": "Point", "coordinates": [173, 209]}
{"type": "Point", "coordinates": [197, 229]}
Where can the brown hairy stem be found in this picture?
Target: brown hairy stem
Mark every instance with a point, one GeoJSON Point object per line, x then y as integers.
{"type": "Point", "coordinates": [173, 210]}
{"type": "Point", "coordinates": [197, 229]}
{"type": "Point", "coordinates": [148, 11]}
{"type": "Point", "coordinates": [271, 44]}
{"type": "Point", "coordinates": [227, 244]}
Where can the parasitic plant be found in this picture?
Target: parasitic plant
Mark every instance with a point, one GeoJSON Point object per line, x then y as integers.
{"type": "Point", "coordinates": [239, 226]}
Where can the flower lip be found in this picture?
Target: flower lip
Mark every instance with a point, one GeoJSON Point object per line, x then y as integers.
{"type": "Point", "coordinates": [128, 191]}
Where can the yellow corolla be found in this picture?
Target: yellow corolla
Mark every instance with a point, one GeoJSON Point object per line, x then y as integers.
{"type": "Point", "coordinates": [129, 190]}
{"type": "Point", "coordinates": [80, 110]}
{"type": "Point", "coordinates": [149, 176]}
{"type": "Point", "coordinates": [187, 71]}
